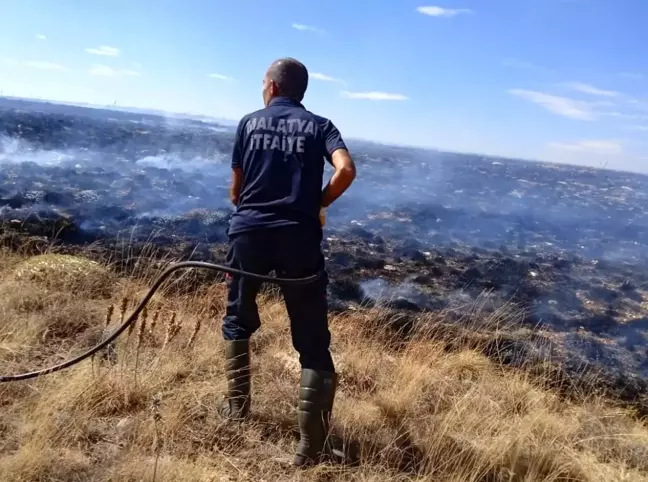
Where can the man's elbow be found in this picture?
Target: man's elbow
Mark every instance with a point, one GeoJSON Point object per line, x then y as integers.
{"type": "Point", "coordinates": [348, 172]}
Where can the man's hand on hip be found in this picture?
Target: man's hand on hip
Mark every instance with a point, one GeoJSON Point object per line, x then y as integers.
{"type": "Point", "coordinates": [322, 216]}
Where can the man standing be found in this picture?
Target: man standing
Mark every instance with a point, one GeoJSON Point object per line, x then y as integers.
{"type": "Point", "coordinates": [277, 176]}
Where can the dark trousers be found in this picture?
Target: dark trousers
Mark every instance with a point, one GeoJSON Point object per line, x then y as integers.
{"type": "Point", "coordinates": [292, 252]}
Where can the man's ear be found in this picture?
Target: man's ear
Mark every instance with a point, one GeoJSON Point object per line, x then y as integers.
{"type": "Point", "coordinates": [274, 88]}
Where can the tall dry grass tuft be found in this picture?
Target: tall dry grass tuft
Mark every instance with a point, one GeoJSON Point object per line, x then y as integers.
{"type": "Point", "coordinates": [172, 329]}
{"type": "Point", "coordinates": [194, 333]}
{"type": "Point", "coordinates": [157, 440]}
{"type": "Point", "coordinates": [420, 398]}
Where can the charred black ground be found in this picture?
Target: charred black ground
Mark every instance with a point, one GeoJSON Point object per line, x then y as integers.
{"type": "Point", "coordinates": [419, 231]}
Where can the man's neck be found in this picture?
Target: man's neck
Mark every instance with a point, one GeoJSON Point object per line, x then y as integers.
{"type": "Point", "coordinates": [285, 101]}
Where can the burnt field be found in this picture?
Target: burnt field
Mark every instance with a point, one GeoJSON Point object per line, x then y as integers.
{"type": "Point", "coordinates": [418, 231]}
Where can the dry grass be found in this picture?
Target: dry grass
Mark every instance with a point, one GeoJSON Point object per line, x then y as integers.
{"type": "Point", "coordinates": [409, 410]}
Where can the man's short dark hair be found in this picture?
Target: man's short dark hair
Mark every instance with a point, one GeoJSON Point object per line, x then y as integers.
{"type": "Point", "coordinates": [291, 77]}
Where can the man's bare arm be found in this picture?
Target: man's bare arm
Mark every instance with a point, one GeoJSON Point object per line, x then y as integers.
{"type": "Point", "coordinates": [345, 173]}
{"type": "Point", "coordinates": [235, 185]}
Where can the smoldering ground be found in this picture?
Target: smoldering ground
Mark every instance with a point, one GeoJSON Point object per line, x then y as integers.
{"type": "Point", "coordinates": [427, 229]}
{"type": "Point", "coordinates": [154, 167]}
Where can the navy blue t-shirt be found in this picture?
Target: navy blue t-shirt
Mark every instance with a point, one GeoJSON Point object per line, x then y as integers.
{"type": "Point", "coordinates": [281, 150]}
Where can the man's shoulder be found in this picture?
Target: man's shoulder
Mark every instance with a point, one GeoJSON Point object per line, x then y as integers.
{"type": "Point", "coordinates": [319, 118]}
{"type": "Point", "coordinates": [323, 122]}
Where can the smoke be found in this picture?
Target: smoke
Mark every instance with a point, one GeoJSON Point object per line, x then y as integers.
{"type": "Point", "coordinates": [101, 191]}
{"type": "Point", "coordinates": [175, 161]}
{"type": "Point", "coordinates": [15, 151]}
{"type": "Point", "coordinates": [380, 291]}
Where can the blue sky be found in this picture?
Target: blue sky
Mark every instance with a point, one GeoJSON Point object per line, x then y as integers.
{"type": "Point", "coordinates": [561, 80]}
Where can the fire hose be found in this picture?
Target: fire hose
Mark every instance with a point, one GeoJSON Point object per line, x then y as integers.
{"type": "Point", "coordinates": [133, 317]}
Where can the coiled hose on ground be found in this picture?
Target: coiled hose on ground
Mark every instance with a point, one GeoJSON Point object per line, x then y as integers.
{"type": "Point", "coordinates": [165, 274]}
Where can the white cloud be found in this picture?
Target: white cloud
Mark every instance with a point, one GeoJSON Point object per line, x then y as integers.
{"type": "Point", "coordinates": [40, 36]}
{"type": "Point", "coordinates": [106, 71]}
{"type": "Point", "coordinates": [590, 146]}
{"type": "Point", "coordinates": [220, 77]}
{"type": "Point", "coordinates": [434, 11]}
{"type": "Point", "coordinates": [624, 115]}
{"type": "Point", "coordinates": [104, 50]}
{"type": "Point", "coordinates": [631, 75]}
{"type": "Point", "coordinates": [374, 95]}
{"type": "Point", "coordinates": [524, 65]}
{"type": "Point", "coordinates": [324, 77]}
{"type": "Point", "coordinates": [136, 65]}
{"type": "Point", "coordinates": [639, 104]}
{"type": "Point", "coordinates": [590, 89]}
{"type": "Point", "coordinates": [563, 106]}
{"type": "Point", "coordinates": [43, 65]}
{"type": "Point", "coordinates": [307, 28]}
{"type": "Point", "coordinates": [12, 63]}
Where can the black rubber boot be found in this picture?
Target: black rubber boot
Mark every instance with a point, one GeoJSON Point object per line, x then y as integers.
{"type": "Point", "coordinates": [236, 405]}
{"type": "Point", "coordinates": [316, 396]}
